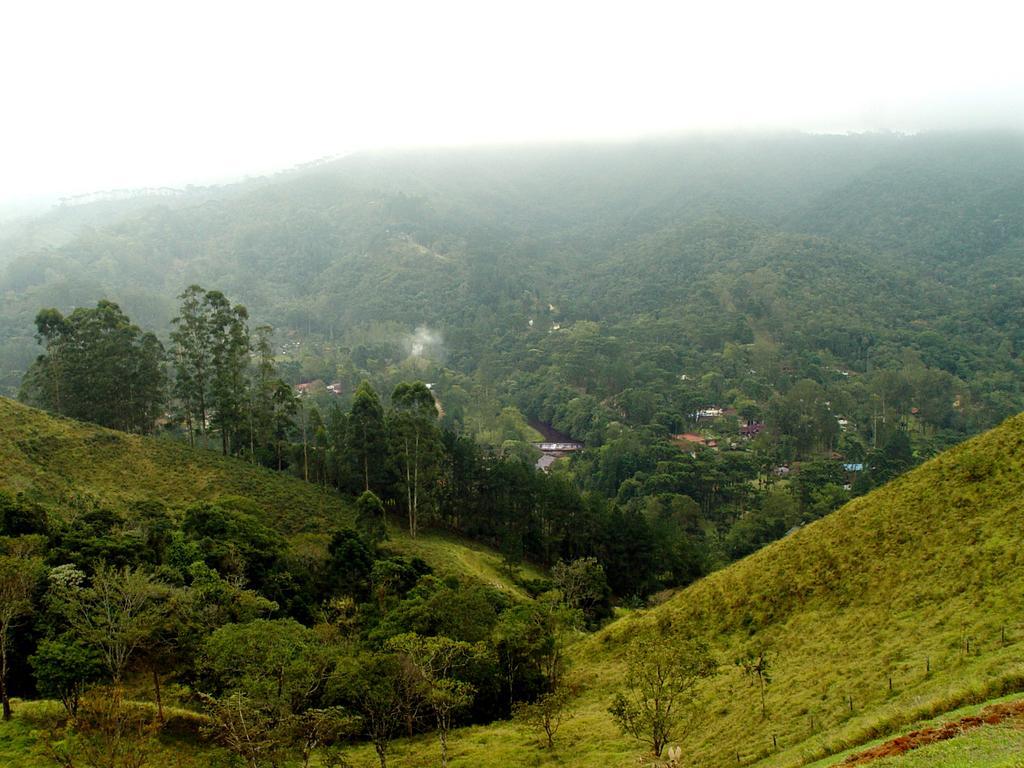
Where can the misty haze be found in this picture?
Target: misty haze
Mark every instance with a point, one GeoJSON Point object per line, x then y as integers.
{"type": "Point", "coordinates": [461, 384]}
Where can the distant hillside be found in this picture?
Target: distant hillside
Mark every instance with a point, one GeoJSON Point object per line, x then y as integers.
{"type": "Point", "coordinates": [54, 461]}
{"type": "Point", "coordinates": [63, 464]}
{"type": "Point", "coordinates": [853, 253]}
{"type": "Point", "coordinates": [919, 583]}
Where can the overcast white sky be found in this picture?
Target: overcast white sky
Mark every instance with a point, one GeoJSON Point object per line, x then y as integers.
{"type": "Point", "coordinates": [97, 94]}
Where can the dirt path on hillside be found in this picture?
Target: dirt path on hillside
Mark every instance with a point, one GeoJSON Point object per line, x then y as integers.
{"type": "Point", "coordinates": [990, 715]}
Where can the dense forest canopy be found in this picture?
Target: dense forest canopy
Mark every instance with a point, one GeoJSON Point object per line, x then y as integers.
{"type": "Point", "coordinates": [858, 247]}
{"type": "Point", "coordinates": [757, 261]}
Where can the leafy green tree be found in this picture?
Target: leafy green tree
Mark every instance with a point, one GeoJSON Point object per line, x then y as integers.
{"type": "Point", "coordinates": [547, 712]}
{"type": "Point", "coordinates": [367, 435]}
{"type": "Point", "coordinates": [663, 674]}
{"type": "Point", "coordinates": [370, 517]}
{"type": "Point", "coordinates": [815, 476]}
{"type": "Point", "coordinates": [211, 353]}
{"type": "Point", "coordinates": [393, 577]}
{"type": "Point", "coordinates": [381, 698]}
{"type": "Point", "coordinates": [803, 414]}
{"type": "Point", "coordinates": [21, 571]}
{"type": "Point", "coordinates": [778, 512]}
{"type": "Point", "coordinates": [337, 460]}
{"type": "Point", "coordinates": [262, 681]}
{"type": "Point", "coordinates": [263, 382]}
{"type": "Point", "coordinates": [286, 406]}
{"type": "Point", "coordinates": [166, 650]}
{"type": "Point", "coordinates": [229, 357]}
{"type": "Point", "coordinates": [116, 614]}
{"type": "Point", "coordinates": [349, 565]}
{"type": "Point", "coordinates": [147, 390]}
{"type": "Point", "coordinates": [193, 361]}
{"type": "Point", "coordinates": [584, 587]}
{"type": "Point", "coordinates": [97, 535]}
{"type": "Point", "coordinates": [232, 539]}
{"type": "Point", "coordinates": [208, 603]}
{"type": "Point", "coordinates": [415, 444]}
{"type": "Point", "coordinates": [55, 332]}
{"type": "Point", "coordinates": [282, 667]}
{"type": "Point", "coordinates": [318, 439]}
{"type": "Point", "coordinates": [524, 638]}
{"type": "Point", "coordinates": [447, 697]}
{"type": "Point", "coordinates": [897, 455]}
{"type": "Point", "coordinates": [21, 517]}
{"type": "Point", "coordinates": [466, 612]}
{"type": "Point", "coordinates": [63, 668]}
{"type": "Point", "coordinates": [434, 662]}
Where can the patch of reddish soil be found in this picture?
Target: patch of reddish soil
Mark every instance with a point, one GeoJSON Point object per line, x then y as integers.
{"type": "Point", "coordinates": [990, 715]}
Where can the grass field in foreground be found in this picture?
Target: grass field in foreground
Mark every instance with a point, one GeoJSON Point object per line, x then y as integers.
{"type": "Point", "coordinates": [990, 746]}
{"type": "Point", "coordinates": [20, 742]}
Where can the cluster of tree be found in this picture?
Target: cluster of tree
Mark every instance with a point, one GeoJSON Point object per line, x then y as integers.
{"type": "Point", "coordinates": [437, 477]}
{"type": "Point", "coordinates": [98, 367]}
{"type": "Point", "coordinates": [284, 654]}
{"type": "Point", "coordinates": [661, 694]}
{"type": "Point", "coordinates": [211, 358]}
{"type": "Point", "coordinates": [390, 650]}
{"type": "Point", "coordinates": [226, 380]}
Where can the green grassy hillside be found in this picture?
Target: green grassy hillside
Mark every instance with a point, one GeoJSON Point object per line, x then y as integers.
{"type": "Point", "coordinates": [61, 464]}
{"type": "Point", "coordinates": [997, 742]}
{"type": "Point", "coordinates": [920, 583]}
{"type": "Point", "coordinates": [998, 746]}
{"type": "Point", "coordinates": [176, 746]}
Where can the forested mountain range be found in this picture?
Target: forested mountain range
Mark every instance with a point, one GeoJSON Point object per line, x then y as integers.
{"type": "Point", "coordinates": [858, 248]}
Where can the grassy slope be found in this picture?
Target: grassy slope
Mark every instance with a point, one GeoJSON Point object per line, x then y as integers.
{"type": "Point", "coordinates": [993, 746]}
{"type": "Point", "coordinates": [175, 747]}
{"type": "Point", "coordinates": [57, 461]}
{"type": "Point", "coordinates": [894, 582]}
{"type": "Point", "coordinates": [999, 746]}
